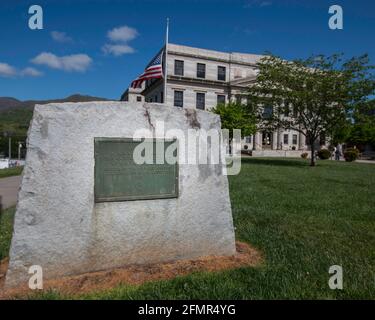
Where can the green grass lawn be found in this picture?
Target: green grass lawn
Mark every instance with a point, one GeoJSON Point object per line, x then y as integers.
{"type": "Point", "coordinates": [6, 227]}
{"type": "Point", "coordinates": [302, 219]}
{"type": "Point", "coordinates": [15, 171]}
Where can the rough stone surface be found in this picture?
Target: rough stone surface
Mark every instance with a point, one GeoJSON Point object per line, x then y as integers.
{"type": "Point", "coordinates": [59, 226]}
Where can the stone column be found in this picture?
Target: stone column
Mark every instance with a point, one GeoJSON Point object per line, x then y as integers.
{"type": "Point", "coordinates": [253, 141]}
{"type": "Point", "coordinates": [280, 135]}
{"type": "Point", "coordinates": [274, 141]}
{"type": "Point", "coordinates": [302, 142]}
{"type": "Point", "coordinates": [278, 141]}
{"type": "Point", "coordinates": [258, 141]}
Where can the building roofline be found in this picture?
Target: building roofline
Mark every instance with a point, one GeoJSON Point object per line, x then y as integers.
{"type": "Point", "coordinates": [208, 54]}
{"type": "Point", "coordinates": [217, 51]}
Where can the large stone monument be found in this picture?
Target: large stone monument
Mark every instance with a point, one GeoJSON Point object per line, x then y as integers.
{"type": "Point", "coordinates": [85, 205]}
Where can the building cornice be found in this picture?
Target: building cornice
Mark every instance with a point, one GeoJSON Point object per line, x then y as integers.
{"type": "Point", "coordinates": [198, 81]}
{"type": "Point", "coordinates": [202, 57]}
{"type": "Point", "coordinates": [172, 79]}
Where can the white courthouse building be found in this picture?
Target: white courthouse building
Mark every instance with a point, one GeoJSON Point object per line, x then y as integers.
{"type": "Point", "coordinates": [201, 78]}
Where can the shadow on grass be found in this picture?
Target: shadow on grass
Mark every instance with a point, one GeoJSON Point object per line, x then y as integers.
{"type": "Point", "coordinates": [277, 162]}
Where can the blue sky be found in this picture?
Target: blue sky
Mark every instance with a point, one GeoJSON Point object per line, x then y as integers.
{"type": "Point", "coordinates": [98, 47]}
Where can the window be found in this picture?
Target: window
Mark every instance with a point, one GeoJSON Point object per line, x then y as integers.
{"type": "Point", "coordinates": [220, 99]}
{"type": "Point", "coordinates": [178, 98]}
{"type": "Point", "coordinates": [178, 67]}
{"type": "Point", "coordinates": [286, 109]}
{"type": "Point", "coordinates": [139, 98]}
{"type": "Point", "coordinates": [238, 99]}
{"type": "Point", "coordinates": [286, 138]}
{"type": "Point", "coordinates": [308, 142]}
{"type": "Point", "coordinates": [295, 113]}
{"type": "Point", "coordinates": [248, 139]}
{"type": "Point", "coordinates": [221, 73]}
{"type": "Point", "coordinates": [201, 70]}
{"type": "Point", "coordinates": [267, 111]}
{"type": "Point", "coordinates": [322, 139]}
{"type": "Point", "coordinates": [294, 139]}
{"type": "Point", "coordinates": [200, 100]}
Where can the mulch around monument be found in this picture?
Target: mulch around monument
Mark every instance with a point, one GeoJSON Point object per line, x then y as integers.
{"type": "Point", "coordinates": [77, 285]}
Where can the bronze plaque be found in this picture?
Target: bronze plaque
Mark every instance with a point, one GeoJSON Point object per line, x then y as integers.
{"type": "Point", "coordinates": [119, 178]}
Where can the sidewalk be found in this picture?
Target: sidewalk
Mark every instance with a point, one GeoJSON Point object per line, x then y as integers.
{"type": "Point", "coordinates": [359, 161]}
{"type": "Point", "coordinates": [366, 161]}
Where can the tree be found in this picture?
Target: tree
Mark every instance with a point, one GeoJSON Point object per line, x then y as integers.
{"type": "Point", "coordinates": [363, 129]}
{"type": "Point", "coordinates": [315, 97]}
{"type": "Point", "coordinates": [236, 116]}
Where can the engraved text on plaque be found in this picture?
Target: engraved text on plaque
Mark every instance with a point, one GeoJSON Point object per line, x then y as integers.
{"type": "Point", "coordinates": [119, 178]}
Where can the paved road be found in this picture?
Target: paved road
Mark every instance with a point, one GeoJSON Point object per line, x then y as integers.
{"type": "Point", "coordinates": [9, 190]}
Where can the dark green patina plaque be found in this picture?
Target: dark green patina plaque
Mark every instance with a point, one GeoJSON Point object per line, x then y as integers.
{"type": "Point", "coordinates": [118, 177]}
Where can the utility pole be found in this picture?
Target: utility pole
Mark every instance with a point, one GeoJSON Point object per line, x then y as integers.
{"type": "Point", "coordinates": [10, 148]}
{"type": "Point", "coordinates": [19, 149]}
{"type": "Point", "coordinates": [9, 135]}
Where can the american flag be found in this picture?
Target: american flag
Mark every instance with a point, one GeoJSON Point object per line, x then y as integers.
{"type": "Point", "coordinates": [153, 71]}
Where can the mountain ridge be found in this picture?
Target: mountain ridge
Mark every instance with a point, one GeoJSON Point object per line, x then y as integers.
{"type": "Point", "coordinates": [7, 103]}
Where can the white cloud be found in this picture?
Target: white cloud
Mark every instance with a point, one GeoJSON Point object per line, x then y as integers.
{"type": "Point", "coordinates": [117, 49]}
{"type": "Point", "coordinates": [30, 71]}
{"type": "Point", "coordinates": [60, 37]}
{"type": "Point", "coordinates": [122, 34]}
{"type": "Point", "coordinates": [74, 62]}
{"type": "Point", "coordinates": [120, 37]}
{"type": "Point", "coordinates": [7, 70]}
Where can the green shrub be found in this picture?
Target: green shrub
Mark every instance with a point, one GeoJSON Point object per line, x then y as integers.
{"type": "Point", "coordinates": [324, 154]}
{"type": "Point", "coordinates": [351, 154]}
{"type": "Point", "coordinates": [304, 155]}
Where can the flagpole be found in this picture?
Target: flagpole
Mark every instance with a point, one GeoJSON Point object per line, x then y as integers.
{"type": "Point", "coordinates": [166, 62]}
